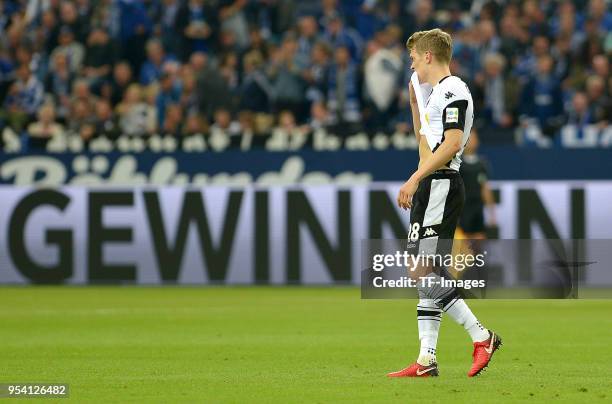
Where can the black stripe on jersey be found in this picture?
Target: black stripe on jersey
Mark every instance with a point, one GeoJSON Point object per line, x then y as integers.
{"type": "Point", "coordinates": [459, 123]}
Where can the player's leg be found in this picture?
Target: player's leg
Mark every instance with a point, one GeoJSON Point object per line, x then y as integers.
{"type": "Point", "coordinates": [448, 299]}
{"type": "Point", "coordinates": [429, 315]}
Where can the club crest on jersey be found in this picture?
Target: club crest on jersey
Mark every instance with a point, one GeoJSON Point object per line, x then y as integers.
{"type": "Point", "coordinates": [449, 95]}
{"type": "Point", "coordinates": [452, 115]}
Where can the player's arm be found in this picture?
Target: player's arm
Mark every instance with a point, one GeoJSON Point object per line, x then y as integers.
{"type": "Point", "coordinates": [416, 116]}
{"type": "Point", "coordinates": [443, 154]}
{"type": "Point", "coordinates": [453, 118]}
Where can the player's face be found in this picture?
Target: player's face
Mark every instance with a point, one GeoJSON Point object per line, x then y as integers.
{"type": "Point", "coordinates": [418, 64]}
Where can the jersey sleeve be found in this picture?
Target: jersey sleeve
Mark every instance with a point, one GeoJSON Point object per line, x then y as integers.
{"type": "Point", "coordinates": [453, 114]}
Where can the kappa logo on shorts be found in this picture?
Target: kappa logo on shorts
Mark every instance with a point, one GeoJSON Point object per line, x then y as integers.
{"type": "Point", "coordinates": [430, 232]}
{"type": "Point", "coordinates": [452, 115]}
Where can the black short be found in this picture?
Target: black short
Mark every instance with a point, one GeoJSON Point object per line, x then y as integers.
{"type": "Point", "coordinates": [472, 218]}
{"type": "Point", "coordinates": [436, 208]}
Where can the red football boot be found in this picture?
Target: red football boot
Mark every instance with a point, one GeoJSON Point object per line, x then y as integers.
{"type": "Point", "coordinates": [483, 352]}
{"type": "Point", "coordinates": [416, 370]}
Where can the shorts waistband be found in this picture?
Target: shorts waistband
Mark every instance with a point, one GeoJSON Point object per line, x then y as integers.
{"type": "Point", "coordinates": [445, 171]}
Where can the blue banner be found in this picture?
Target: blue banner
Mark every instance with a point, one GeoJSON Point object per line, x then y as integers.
{"type": "Point", "coordinates": [284, 168]}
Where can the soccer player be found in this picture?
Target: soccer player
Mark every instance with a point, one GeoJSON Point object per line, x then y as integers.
{"type": "Point", "coordinates": [443, 113]}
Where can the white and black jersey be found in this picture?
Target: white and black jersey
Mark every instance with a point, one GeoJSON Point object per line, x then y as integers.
{"type": "Point", "coordinates": [448, 105]}
{"type": "Point", "coordinates": [440, 197]}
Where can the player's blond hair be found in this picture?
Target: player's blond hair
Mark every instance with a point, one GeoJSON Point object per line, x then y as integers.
{"type": "Point", "coordinates": [436, 41]}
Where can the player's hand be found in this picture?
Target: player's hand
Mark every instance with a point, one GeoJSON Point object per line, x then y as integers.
{"type": "Point", "coordinates": [407, 191]}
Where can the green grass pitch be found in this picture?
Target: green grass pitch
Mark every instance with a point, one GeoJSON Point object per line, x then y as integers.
{"type": "Point", "coordinates": [291, 345]}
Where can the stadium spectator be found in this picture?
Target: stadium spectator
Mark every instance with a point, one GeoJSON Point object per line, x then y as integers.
{"type": "Point", "coordinates": [256, 91]}
{"type": "Point", "coordinates": [308, 36]}
{"type": "Point", "coordinates": [601, 66]}
{"type": "Point", "coordinates": [45, 128]}
{"type": "Point", "coordinates": [100, 56]}
{"type": "Point", "coordinates": [121, 80]}
{"type": "Point", "coordinates": [224, 123]}
{"type": "Point", "coordinates": [287, 123]}
{"type": "Point", "coordinates": [342, 93]}
{"type": "Point", "coordinates": [258, 57]}
{"type": "Point", "coordinates": [337, 34]}
{"type": "Point", "coordinates": [287, 82]}
{"type": "Point", "coordinates": [59, 84]}
{"type": "Point", "coordinates": [566, 22]}
{"type": "Point", "coordinates": [169, 94]}
{"type": "Point", "coordinates": [198, 62]}
{"type": "Point", "coordinates": [601, 15]}
{"type": "Point", "coordinates": [593, 43]}
{"type": "Point", "coordinates": [213, 91]}
{"type": "Point", "coordinates": [173, 122]}
{"type": "Point", "coordinates": [527, 65]}
{"type": "Point", "coordinates": [7, 71]}
{"type": "Point", "coordinates": [151, 69]}
{"type": "Point", "coordinates": [580, 114]}
{"type": "Point", "coordinates": [69, 17]}
{"type": "Point", "coordinates": [189, 96]}
{"type": "Point", "coordinates": [133, 30]}
{"type": "Point", "coordinates": [71, 49]}
{"type": "Point", "coordinates": [136, 118]}
{"type": "Point", "coordinates": [82, 93]}
{"type": "Point", "coordinates": [195, 22]}
{"type": "Point", "coordinates": [561, 53]}
{"type": "Point", "coordinates": [382, 73]}
{"type": "Point", "coordinates": [24, 98]}
{"type": "Point", "coordinates": [455, 21]}
{"type": "Point", "coordinates": [465, 61]}
{"type": "Point", "coordinates": [229, 70]}
{"type": "Point", "coordinates": [166, 18]}
{"type": "Point", "coordinates": [534, 18]}
{"type": "Point", "coordinates": [599, 101]}
{"type": "Point", "coordinates": [497, 94]}
{"type": "Point", "coordinates": [514, 39]}
{"type": "Point", "coordinates": [48, 31]}
{"type": "Point", "coordinates": [423, 17]}
{"type": "Point", "coordinates": [195, 125]}
{"type": "Point", "coordinates": [329, 10]}
{"type": "Point", "coordinates": [105, 121]}
{"type": "Point", "coordinates": [317, 72]}
{"type": "Point", "coordinates": [488, 41]}
{"type": "Point", "coordinates": [542, 99]}
{"type": "Point", "coordinates": [257, 43]}
{"type": "Point", "coordinates": [320, 117]}
{"type": "Point", "coordinates": [232, 19]}
{"type": "Point", "coordinates": [81, 120]}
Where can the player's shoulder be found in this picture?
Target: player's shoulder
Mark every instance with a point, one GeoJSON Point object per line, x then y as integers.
{"type": "Point", "coordinates": [452, 87]}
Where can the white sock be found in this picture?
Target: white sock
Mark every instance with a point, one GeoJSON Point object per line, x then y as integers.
{"type": "Point", "coordinates": [461, 313]}
{"type": "Point", "coordinates": [429, 317]}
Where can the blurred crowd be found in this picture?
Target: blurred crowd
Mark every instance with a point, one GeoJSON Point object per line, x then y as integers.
{"type": "Point", "coordinates": [184, 67]}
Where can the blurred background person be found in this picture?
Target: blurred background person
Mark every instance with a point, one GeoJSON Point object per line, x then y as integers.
{"type": "Point", "coordinates": [478, 195]}
{"type": "Point", "coordinates": [44, 128]}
